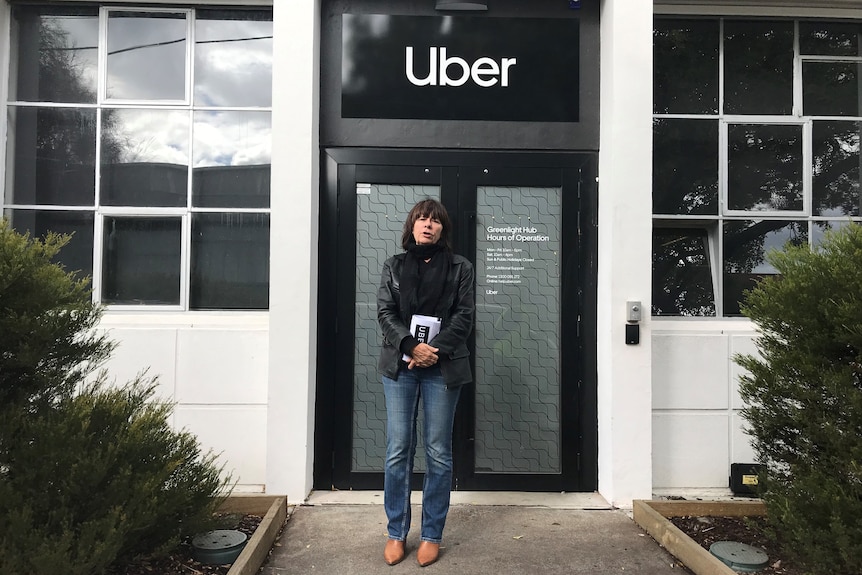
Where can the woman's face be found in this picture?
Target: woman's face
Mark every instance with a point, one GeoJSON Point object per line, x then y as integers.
{"type": "Point", "coordinates": [427, 230]}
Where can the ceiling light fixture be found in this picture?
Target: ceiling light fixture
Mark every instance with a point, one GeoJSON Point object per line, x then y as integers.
{"type": "Point", "coordinates": [461, 5]}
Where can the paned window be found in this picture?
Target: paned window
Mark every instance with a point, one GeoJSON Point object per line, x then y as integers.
{"type": "Point", "coordinates": [146, 133]}
{"type": "Point", "coordinates": [756, 145]}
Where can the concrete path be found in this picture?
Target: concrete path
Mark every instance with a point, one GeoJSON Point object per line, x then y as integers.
{"type": "Point", "coordinates": [348, 539]}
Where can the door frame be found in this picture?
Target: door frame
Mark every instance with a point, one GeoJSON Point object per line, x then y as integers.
{"type": "Point", "coordinates": [338, 167]}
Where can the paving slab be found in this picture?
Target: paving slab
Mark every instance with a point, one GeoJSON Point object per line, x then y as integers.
{"type": "Point", "coordinates": [479, 540]}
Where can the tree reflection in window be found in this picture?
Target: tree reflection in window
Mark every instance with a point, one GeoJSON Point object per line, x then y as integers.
{"type": "Point", "coordinates": [685, 56]}
{"type": "Point", "coordinates": [758, 67]}
{"type": "Point", "coordinates": [746, 243]}
{"type": "Point", "coordinates": [682, 279]}
{"type": "Point", "coordinates": [685, 166]}
{"type": "Point", "coordinates": [764, 165]}
{"type": "Point", "coordinates": [835, 166]}
{"type": "Point", "coordinates": [785, 177]}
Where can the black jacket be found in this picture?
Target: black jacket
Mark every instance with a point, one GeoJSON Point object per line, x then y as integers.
{"type": "Point", "coordinates": [457, 314]}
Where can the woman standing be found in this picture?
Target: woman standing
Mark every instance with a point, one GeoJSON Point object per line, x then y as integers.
{"type": "Point", "coordinates": [426, 280]}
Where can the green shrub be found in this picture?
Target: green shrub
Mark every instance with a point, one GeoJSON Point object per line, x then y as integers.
{"type": "Point", "coordinates": [47, 341]}
{"type": "Point", "coordinates": [102, 479]}
{"type": "Point", "coordinates": [91, 474]}
{"type": "Point", "coordinates": [804, 399]}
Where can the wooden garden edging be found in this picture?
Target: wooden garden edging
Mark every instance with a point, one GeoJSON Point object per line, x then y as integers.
{"type": "Point", "coordinates": [274, 511]}
{"type": "Point", "coordinates": [652, 516]}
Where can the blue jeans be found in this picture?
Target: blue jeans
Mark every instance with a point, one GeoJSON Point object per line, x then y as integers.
{"type": "Point", "coordinates": [402, 407]}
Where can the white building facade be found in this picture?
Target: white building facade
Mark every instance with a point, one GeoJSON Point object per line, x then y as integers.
{"type": "Point", "coordinates": [232, 170]}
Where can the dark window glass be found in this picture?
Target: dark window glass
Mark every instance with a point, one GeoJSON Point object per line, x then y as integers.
{"type": "Point", "coordinates": [746, 244]}
{"type": "Point", "coordinates": [835, 169]}
{"type": "Point", "coordinates": [230, 261]}
{"type": "Point", "coordinates": [141, 260]}
{"type": "Point", "coordinates": [758, 67]}
{"type": "Point", "coordinates": [233, 58]}
{"type": "Point", "coordinates": [54, 54]}
{"type": "Point", "coordinates": [77, 255]}
{"type": "Point", "coordinates": [764, 167]}
{"type": "Point", "coordinates": [682, 280]}
{"type": "Point", "coordinates": [830, 88]}
{"type": "Point", "coordinates": [829, 38]}
{"type": "Point", "coordinates": [51, 155]}
{"type": "Point", "coordinates": [685, 166]}
{"type": "Point", "coordinates": [232, 159]}
{"type": "Point", "coordinates": [685, 66]}
{"type": "Point", "coordinates": [146, 56]}
{"type": "Point", "coordinates": [145, 157]}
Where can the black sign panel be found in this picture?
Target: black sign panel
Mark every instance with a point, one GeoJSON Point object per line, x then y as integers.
{"type": "Point", "coordinates": [460, 68]}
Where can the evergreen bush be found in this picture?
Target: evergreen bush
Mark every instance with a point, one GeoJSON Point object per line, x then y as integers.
{"type": "Point", "coordinates": [91, 474]}
{"type": "Point", "coordinates": [803, 398]}
{"type": "Point", "coordinates": [47, 341]}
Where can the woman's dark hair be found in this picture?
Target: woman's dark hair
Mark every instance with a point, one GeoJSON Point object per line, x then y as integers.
{"type": "Point", "coordinates": [432, 209]}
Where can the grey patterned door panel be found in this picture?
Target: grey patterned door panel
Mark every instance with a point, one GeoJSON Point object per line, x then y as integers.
{"type": "Point", "coordinates": [380, 213]}
{"type": "Point", "coordinates": [517, 399]}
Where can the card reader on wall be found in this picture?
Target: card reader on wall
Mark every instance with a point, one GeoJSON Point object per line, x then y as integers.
{"type": "Point", "coordinates": [633, 318]}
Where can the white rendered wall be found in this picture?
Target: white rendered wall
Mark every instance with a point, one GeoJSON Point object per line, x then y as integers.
{"type": "Point", "coordinates": [213, 366]}
{"type": "Point", "coordinates": [625, 240]}
{"type": "Point", "coordinates": [294, 248]}
{"type": "Point", "coordinates": [697, 428]}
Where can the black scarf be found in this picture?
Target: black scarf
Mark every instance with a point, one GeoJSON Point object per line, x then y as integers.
{"type": "Point", "coordinates": [423, 284]}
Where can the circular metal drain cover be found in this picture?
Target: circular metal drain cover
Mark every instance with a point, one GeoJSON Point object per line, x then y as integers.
{"type": "Point", "coordinates": [739, 556]}
{"type": "Point", "coordinates": [219, 547]}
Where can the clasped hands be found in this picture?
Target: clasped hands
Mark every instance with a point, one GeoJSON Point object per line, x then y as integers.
{"type": "Point", "coordinates": [423, 355]}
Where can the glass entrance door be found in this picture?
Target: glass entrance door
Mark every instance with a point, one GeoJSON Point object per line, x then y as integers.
{"type": "Point", "coordinates": [521, 425]}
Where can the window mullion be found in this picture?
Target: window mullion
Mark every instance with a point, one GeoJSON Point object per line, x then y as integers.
{"type": "Point", "coordinates": [713, 240]}
{"type": "Point", "coordinates": [719, 269]}
{"type": "Point", "coordinates": [102, 65]}
{"type": "Point", "coordinates": [718, 264]}
{"type": "Point", "coordinates": [807, 168]}
{"type": "Point", "coordinates": [98, 248]}
{"type": "Point", "coordinates": [185, 262]}
{"type": "Point", "coordinates": [721, 66]}
{"type": "Point", "coordinates": [190, 68]}
{"type": "Point", "coordinates": [99, 220]}
{"type": "Point", "coordinates": [797, 72]}
{"type": "Point", "coordinates": [722, 167]}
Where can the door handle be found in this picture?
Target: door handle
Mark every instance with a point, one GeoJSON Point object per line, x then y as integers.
{"type": "Point", "coordinates": [468, 232]}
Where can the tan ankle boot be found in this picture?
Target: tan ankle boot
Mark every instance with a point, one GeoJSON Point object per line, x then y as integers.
{"type": "Point", "coordinates": [393, 552]}
{"type": "Point", "coordinates": [428, 553]}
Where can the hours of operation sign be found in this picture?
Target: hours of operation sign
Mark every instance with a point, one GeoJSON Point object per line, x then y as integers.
{"type": "Point", "coordinates": [505, 263]}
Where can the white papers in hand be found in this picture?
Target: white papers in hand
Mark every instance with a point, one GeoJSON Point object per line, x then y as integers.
{"type": "Point", "coordinates": [424, 328]}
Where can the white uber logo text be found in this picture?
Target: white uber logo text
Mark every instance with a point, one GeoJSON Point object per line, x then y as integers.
{"type": "Point", "coordinates": [485, 72]}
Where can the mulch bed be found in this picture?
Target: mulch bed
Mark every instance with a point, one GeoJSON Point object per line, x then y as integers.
{"type": "Point", "coordinates": [749, 530]}
{"type": "Point", "coordinates": [181, 562]}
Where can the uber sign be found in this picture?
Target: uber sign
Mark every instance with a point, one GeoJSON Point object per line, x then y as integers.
{"type": "Point", "coordinates": [460, 68]}
{"type": "Point", "coordinates": [484, 71]}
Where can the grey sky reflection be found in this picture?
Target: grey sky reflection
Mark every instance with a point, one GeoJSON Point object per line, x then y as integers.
{"type": "Point", "coordinates": [233, 63]}
{"type": "Point", "coordinates": [145, 61]}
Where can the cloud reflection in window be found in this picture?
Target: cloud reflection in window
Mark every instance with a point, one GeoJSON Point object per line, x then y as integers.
{"type": "Point", "coordinates": [233, 61]}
